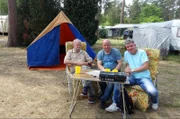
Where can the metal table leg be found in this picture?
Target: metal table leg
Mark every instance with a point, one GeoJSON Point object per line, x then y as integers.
{"type": "Point", "coordinates": [124, 104]}
{"type": "Point", "coordinates": [75, 95]}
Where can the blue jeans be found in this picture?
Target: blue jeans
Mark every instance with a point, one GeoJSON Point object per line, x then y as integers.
{"type": "Point", "coordinates": [111, 87]}
{"type": "Point", "coordinates": [147, 85]}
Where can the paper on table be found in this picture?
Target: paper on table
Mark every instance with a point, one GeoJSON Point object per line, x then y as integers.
{"type": "Point", "coordinates": [94, 73]}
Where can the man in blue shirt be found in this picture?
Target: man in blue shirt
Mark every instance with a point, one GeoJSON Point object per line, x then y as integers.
{"type": "Point", "coordinates": [109, 58]}
{"type": "Point", "coordinates": [137, 68]}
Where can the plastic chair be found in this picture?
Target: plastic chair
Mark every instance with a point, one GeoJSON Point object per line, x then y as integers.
{"type": "Point", "coordinates": [140, 99]}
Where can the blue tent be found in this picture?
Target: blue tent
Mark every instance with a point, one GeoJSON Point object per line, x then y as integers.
{"type": "Point", "coordinates": [47, 51]}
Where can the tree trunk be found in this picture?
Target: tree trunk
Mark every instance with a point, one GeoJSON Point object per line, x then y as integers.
{"type": "Point", "coordinates": [12, 32]}
{"type": "Point", "coordinates": [122, 12]}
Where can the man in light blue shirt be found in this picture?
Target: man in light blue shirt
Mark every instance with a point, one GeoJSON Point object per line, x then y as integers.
{"type": "Point", "coordinates": [137, 68]}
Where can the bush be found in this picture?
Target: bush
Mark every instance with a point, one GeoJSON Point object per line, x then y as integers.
{"type": "Point", "coordinates": [83, 14]}
{"type": "Point", "coordinates": [103, 33]}
{"type": "Point", "coordinates": [33, 17]}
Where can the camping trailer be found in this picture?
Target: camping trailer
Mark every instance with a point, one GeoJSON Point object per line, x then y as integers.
{"type": "Point", "coordinates": [3, 24]}
{"type": "Point", "coordinates": [160, 35]}
{"type": "Point", "coordinates": [175, 30]}
{"type": "Point", "coordinates": [153, 35]}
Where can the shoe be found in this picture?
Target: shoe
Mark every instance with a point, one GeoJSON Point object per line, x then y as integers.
{"type": "Point", "coordinates": [155, 106]}
{"type": "Point", "coordinates": [84, 92]}
{"type": "Point", "coordinates": [112, 108]}
{"type": "Point", "coordinates": [102, 105]}
{"type": "Point", "coordinates": [91, 100]}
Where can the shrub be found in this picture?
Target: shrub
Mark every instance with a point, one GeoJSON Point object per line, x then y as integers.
{"type": "Point", "coordinates": [103, 33]}
{"type": "Point", "coordinates": [33, 17]}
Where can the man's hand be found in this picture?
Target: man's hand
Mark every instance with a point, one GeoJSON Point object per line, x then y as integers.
{"type": "Point", "coordinates": [128, 71]}
{"type": "Point", "coordinates": [82, 63]}
{"type": "Point", "coordinates": [70, 65]}
{"type": "Point", "coordinates": [90, 63]}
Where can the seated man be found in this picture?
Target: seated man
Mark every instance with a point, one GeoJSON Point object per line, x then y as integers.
{"type": "Point", "coordinates": [78, 57]}
{"type": "Point", "coordinates": [137, 69]}
{"type": "Point", "coordinates": [109, 58]}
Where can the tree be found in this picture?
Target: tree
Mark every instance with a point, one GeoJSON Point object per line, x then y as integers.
{"type": "Point", "coordinates": [111, 14]}
{"type": "Point", "coordinates": [134, 12]}
{"type": "Point", "coordinates": [3, 7]}
{"type": "Point", "coordinates": [122, 12]}
{"type": "Point", "coordinates": [12, 33]}
{"type": "Point", "coordinates": [33, 17]}
{"type": "Point", "coordinates": [177, 12]}
{"type": "Point", "coordinates": [151, 13]}
{"type": "Point", "coordinates": [83, 14]}
{"type": "Point", "coordinates": [168, 8]}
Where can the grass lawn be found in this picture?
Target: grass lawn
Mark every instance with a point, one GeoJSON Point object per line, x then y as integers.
{"type": "Point", "coordinates": [114, 42]}
{"type": "Point", "coordinates": [44, 94]}
{"type": "Point", "coordinates": [119, 44]}
{"type": "Point", "coordinates": [174, 57]}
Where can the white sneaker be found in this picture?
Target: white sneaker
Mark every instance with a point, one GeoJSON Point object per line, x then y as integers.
{"type": "Point", "coordinates": [112, 108]}
{"type": "Point", "coordinates": [155, 106]}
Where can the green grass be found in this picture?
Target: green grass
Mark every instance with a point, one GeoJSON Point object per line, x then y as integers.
{"type": "Point", "coordinates": [174, 57]}
{"type": "Point", "coordinates": [114, 42]}
{"type": "Point", "coordinates": [119, 44]}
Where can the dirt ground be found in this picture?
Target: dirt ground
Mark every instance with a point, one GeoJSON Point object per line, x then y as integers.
{"type": "Point", "coordinates": [42, 94]}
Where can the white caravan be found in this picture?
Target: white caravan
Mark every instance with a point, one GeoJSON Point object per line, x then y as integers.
{"type": "Point", "coordinates": [3, 24]}
{"type": "Point", "coordinates": [175, 30]}
{"type": "Point", "coordinates": [160, 35]}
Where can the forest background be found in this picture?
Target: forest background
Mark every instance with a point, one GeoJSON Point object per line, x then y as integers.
{"type": "Point", "coordinates": [28, 18]}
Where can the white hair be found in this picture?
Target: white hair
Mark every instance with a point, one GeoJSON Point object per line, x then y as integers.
{"type": "Point", "coordinates": [76, 40]}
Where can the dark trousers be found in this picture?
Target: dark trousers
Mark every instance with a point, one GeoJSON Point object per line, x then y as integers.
{"type": "Point", "coordinates": [103, 87]}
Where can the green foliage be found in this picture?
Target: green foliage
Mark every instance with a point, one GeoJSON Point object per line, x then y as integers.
{"type": "Point", "coordinates": [82, 14]}
{"type": "Point", "coordinates": [111, 15]}
{"type": "Point", "coordinates": [33, 17]}
{"type": "Point", "coordinates": [151, 19]}
{"type": "Point", "coordinates": [106, 23]}
{"type": "Point", "coordinates": [168, 7]}
{"type": "Point", "coordinates": [151, 13]}
{"type": "Point", "coordinates": [134, 12]}
{"type": "Point", "coordinates": [103, 33]}
{"type": "Point", "coordinates": [177, 11]}
{"type": "Point", "coordinates": [3, 7]}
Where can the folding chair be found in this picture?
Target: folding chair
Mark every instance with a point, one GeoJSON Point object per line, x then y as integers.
{"type": "Point", "coordinates": [140, 99]}
{"type": "Point", "coordinates": [68, 46]}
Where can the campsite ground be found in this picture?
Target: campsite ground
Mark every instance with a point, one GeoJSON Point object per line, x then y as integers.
{"type": "Point", "coordinates": [42, 94]}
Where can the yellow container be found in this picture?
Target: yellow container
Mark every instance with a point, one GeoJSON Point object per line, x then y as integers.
{"type": "Point", "coordinates": [107, 70]}
{"type": "Point", "coordinates": [115, 70]}
{"type": "Point", "coordinates": [77, 69]}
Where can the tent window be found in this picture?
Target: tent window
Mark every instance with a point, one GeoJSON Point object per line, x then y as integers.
{"type": "Point", "coordinates": [178, 32]}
